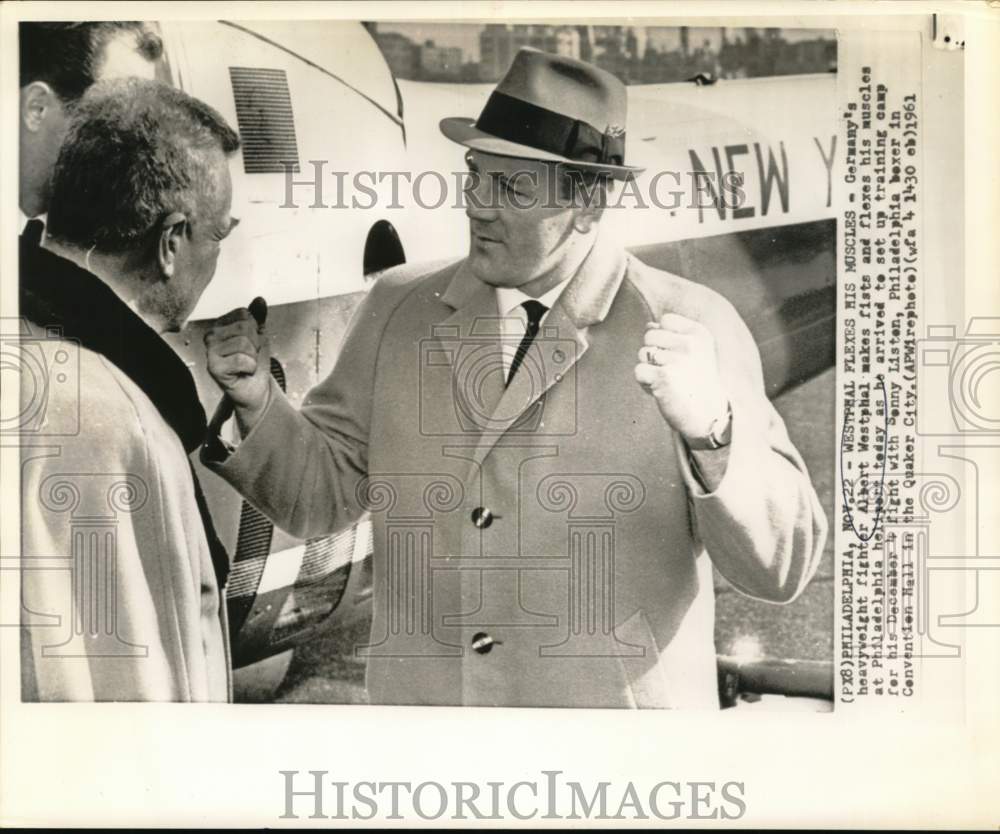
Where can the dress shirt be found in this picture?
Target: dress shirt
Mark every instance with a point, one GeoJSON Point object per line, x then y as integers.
{"type": "Point", "coordinates": [514, 318]}
{"type": "Point", "coordinates": [25, 220]}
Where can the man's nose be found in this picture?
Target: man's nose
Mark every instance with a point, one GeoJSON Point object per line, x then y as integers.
{"type": "Point", "coordinates": [480, 202]}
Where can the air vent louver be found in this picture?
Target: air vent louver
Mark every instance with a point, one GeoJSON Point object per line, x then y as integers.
{"type": "Point", "coordinates": [266, 122]}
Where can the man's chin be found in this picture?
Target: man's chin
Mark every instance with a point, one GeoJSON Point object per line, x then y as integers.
{"type": "Point", "coordinates": [487, 271]}
{"type": "Point", "coordinates": [480, 267]}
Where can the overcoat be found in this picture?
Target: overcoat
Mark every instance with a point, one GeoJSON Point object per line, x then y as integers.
{"type": "Point", "coordinates": [544, 544]}
{"type": "Point", "coordinates": [120, 585]}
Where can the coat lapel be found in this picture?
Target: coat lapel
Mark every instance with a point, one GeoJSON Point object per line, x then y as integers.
{"type": "Point", "coordinates": [469, 340]}
{"type": "Point", "coordinates": [477, 369]}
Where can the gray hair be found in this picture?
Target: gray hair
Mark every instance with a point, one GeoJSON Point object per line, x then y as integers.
{"type": "Point", "coordinates": [135, 151]}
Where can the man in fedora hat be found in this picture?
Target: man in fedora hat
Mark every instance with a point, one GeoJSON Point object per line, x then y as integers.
{"type": "Point", "coordinates": [555, 442]}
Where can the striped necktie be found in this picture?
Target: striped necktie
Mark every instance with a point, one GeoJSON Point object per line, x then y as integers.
{"type": "Point", "coordinates": [535, 311]}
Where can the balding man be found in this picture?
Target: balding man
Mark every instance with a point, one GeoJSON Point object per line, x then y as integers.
{"type": "Point", "coordinates": [111, 509]}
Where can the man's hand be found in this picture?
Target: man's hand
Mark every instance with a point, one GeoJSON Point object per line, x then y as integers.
{"type": "Point", "coordinates": [679, 367]}
{"type": "Point", "coordinates": [239, 360]}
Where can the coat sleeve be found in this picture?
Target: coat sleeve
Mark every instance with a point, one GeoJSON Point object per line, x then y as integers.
{"type": "Point", "coordinates": [763, 525]}
{"type": "Point", "coordinates": [303, 468]}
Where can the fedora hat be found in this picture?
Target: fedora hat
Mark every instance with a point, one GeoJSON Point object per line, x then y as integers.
{"type": "Point", "coordinates": [555, 109]}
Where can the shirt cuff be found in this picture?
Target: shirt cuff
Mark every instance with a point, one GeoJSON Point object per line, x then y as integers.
{"type": "Point", "coordinates": [708, 466]}
{"type": "Point", "coordinates": [217, 447]}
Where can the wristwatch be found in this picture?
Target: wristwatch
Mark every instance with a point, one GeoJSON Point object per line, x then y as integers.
{"type": "Point", "coordinates": [720, 434]}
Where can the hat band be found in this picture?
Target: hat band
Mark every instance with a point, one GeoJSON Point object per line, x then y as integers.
{"type": "Point", "coordinates": [520, 121]}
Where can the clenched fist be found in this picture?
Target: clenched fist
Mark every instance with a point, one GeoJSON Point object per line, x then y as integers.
{"type": "Point", "coordinates": [239, 360]}
{"type": "Point", "coordinates": [679, 367]}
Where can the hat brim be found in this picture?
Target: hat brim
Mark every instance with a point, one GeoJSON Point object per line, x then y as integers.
{"type": "Point", "coordinates": [464, 132]}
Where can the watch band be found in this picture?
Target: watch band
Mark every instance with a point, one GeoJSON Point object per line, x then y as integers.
{"type": "Point", "coordinates": [719, 434]}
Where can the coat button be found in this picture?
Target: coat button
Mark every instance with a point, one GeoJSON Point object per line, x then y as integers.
{"type": "Point", "coordinates": [483, 643]}
{"type": "Point", "coordinates": [482, 517]}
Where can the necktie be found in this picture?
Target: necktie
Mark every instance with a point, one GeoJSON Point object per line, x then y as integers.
{"type": "Point", "coordinates": [32, 233]}
{"type": "Point", "coordinates": [535, 311]}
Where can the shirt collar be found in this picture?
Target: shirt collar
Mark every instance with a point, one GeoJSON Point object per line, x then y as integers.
{"type": "Point", "coordinates": [586, 301]}
{"type": "Point", "coordinates": [25, 220]}
{"type": "Point", "coordinates": [510, 298]}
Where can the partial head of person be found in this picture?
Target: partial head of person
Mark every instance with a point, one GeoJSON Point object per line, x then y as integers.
{"type": "Point", "coordinates": [542, 155]}
{"type": "Point", "coordinates": [59, 62]}
{"type": "Point", "coordinates": [141, 195]}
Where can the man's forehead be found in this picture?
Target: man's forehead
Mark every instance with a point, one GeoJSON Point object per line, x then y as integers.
{"type": "Point", "coordinates": [220, 177]}
{"type": "Point", "coordinates": [507, 165]}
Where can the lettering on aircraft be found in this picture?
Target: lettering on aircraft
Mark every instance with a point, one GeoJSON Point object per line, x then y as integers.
{"type": "Point", "coordinates": [722, 184]}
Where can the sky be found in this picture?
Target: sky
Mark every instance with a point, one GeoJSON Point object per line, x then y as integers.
{"type": "Point", "coordinates": [466, 35]}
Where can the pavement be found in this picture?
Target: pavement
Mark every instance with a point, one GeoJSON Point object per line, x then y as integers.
{"type": "Point", "coordinates": [803, 629]}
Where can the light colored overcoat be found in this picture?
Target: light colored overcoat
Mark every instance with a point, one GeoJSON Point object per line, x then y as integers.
{"type": "Point", "coordinates": [544, 544]}
{"type": "Point", "coordinates": [121, 601]}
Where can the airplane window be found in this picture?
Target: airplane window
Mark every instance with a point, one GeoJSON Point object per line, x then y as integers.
{"type": "Point", "coordinates": [265, 118]}
{"type": "Point", "coordinates": [383, 248]}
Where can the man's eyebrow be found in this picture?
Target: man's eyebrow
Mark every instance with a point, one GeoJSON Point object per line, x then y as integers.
{"type": "Point", "coordinates": [511, 182]}
{"type": "Point", "coordinates": [498, 176]}
{"type": "Point", "coordinates": [233, 223]}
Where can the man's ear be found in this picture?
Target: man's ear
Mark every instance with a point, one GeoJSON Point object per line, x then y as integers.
{"type": "Point", "coordinates": [171, 238]}
{"type": "Point", "coordinates": [38, 100]}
